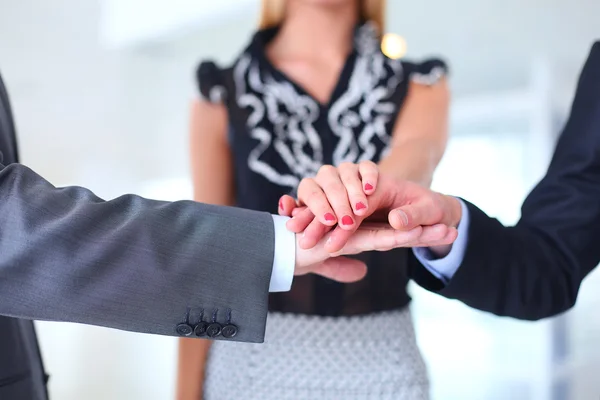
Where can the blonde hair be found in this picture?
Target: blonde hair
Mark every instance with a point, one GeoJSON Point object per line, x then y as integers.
{"type": "Point", "coordinates": [273, 11]}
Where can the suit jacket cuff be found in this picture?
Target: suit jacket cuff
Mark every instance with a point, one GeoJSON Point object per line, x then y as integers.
{"type": "Point", "coordinates": [284, 259]}
{"type": "Point", "coordinates": [445, 268]}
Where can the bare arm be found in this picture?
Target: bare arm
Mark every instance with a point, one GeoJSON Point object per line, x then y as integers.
{"type": "Point", "coordinates": [212, 173]}
{"type": "Point", "coordinates": [420, 134]}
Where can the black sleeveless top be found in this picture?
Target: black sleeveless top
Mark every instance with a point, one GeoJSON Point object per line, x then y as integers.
{"type": "Point", "coordinates": [279, 134]}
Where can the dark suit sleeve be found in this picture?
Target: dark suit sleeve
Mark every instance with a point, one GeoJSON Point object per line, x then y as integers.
{"type": "Point", "coordinates": [129, 263]}
{"type": "Point", "coordinates": [534, 269]}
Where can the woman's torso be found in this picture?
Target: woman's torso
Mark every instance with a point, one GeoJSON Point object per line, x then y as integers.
{"type": "Point", "coordinates": [280, 134]}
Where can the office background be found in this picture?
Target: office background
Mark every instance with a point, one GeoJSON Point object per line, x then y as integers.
{"type": "Point", "coordinates": [101, 91]}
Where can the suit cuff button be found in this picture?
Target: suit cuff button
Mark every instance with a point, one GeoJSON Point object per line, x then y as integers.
{"type": "Point", "coordinates": [200, 329]}
{"type": "Point", "coordinates": [213, 330]}
{"type": "Point", "coordinates": [229, 331]}
{"type": "Point", "coordinates": [184, 330]}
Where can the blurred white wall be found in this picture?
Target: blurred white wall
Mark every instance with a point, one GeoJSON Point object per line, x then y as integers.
{"type": "Point", "coordinates": [112, 115]}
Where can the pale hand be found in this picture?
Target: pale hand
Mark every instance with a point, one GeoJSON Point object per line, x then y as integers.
{"type": "Point", "coordinates": [368, 237]}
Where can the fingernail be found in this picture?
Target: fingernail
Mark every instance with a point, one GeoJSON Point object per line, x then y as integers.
{"type": "Point", "coordinates": [347, 220]}
{"type": "Point", "coordinates": [360, 206]}
{"type": "Point", "coordinates": [368, 186]}
{"type": "Point", "coordinates": [329, 217]}
{"type": "Point", "coordinates": [280, 205]}
{"type": "Point", "coordinates": [404, 217]}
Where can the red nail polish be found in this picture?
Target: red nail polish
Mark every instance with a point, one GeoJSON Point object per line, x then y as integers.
{"type": "Point", "coordinates": [368, 186]}
{"type": "Point", "coordinates": [360, 206]}
{"type": "Point", "coordinates": [347, 220]}
{"type": "Point", "coordinates": [329, 217]}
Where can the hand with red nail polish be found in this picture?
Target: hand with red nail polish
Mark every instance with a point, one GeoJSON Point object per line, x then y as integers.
{"type": "Point", "coordinates": [329, 197]}
{"type": "Point", "coordinates": [402, 204]}
{"type": "Point", "coordinates": [339, 194]}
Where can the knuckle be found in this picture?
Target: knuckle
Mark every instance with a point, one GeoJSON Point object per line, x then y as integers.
{"type": "Point", "coordinates": [396, 241]}
{"type": "Point", "coordinates": [327, 170]}
{"type": "Point", "coordinates": [341, 199]}
{"type": "Point", "coordinates": [306, 182]}
{"type": "Point", "coordinates": [334, 187]}
{"type": "Point", "coordinates": [312, 198]}
{"type": "Point", "coordinates": [346, 166]}
{"type": "Point", "coordinates": [315, 197]}
{"type": "Point", "coordinates": [349, 178]}
{"type": "Point", "coordinates": [368, 164]}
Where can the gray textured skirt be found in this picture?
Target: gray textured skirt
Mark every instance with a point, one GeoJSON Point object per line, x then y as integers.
{"type": "Point", "coordinates": [307, 357]}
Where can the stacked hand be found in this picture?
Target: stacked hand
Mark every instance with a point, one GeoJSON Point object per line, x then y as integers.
{"type": "Point", "coordinates": [353, 208]}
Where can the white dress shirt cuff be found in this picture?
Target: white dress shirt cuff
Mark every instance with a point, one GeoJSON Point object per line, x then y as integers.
{"type": "Point", "coordinates": [284, 260]}
{"type": "Point", "coordinates": [445, 268]}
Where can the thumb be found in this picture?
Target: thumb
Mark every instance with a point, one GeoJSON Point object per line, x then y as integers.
{"type": "Point", "coordinates": [412, 215]}
{"type": "Point", "coordinates": [431, 210]}
{"type": "Point", "coordinates": [341, 269]}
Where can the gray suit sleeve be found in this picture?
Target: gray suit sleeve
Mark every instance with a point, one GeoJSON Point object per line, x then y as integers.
{"type": "Point", "coordinates": [130, 263]}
